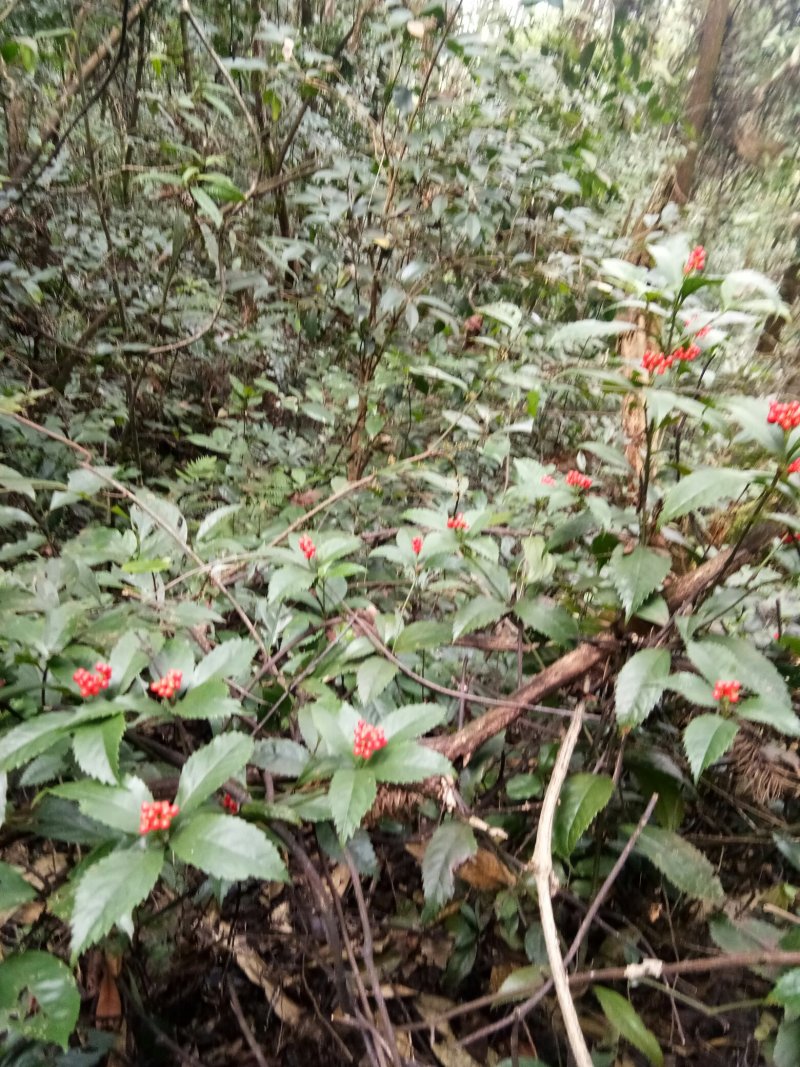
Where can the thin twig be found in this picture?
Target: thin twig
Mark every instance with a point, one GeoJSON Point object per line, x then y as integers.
{"type": "Point", "coordinates": [245, 1027]}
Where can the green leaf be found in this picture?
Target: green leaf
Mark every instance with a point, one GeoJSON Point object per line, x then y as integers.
{"type": "Point", "coordinates": [423, 635]}
{"type": "Point", "coordinates": [636, 575]}
{"type": "Point", "coordinates": [206, 205]}
{"type": "Point", "coordinates": [582, 799]}
{"type": "Point", "coordinates": [702, 489]}
{"type": "Point", "coordinates": [288, 581]}
{"type": "Point", "coordinates": [787, 990]}
{"type": "Point", "coordinates": [706, 739]}
{"type": "Point", "coordinates": [280, 756]}
{"type": "Point", "coordinates": [351, 795]}
{"type": "Point", "coordinates": [38, 976]}
{"type": "Point", "coordinates": [539, 564]}
{"type": "Point", "coordinates": [96, 748]}
{"type": "Point", "coordinates": [108, 892]}
{"type": "Point", "coordinates": [230, 659]}
{"type": "Point", "coordinates": [372, 677]}
{"type": "Point", "coordinates": [117, 806]}
{"type": "Point", "coordinates": [477, 613]}
{"type": "Point", "coordinates": [547, 618]}
{"type": "Point", "coordinates": [207, 769]}
{"type": "Point", "coordinates": [787, 1044]}
{"type": "Point", "coordinates": [413, 721]}
{"type": "Point", "coordinates": [583, 330]}
{"type": "Point", "coordinates": [14, 890]}
{"type": "Point", "coordinates": [680, 862]}
{"type": "Point", "coordinates": [627, 1022]}
{"type": "Point", "coordinates": [452, 843]}
{"type": "Point", "coordinates": [640, 684]}
{"type": "Point", "coordinates": [226, 846]}
{"type": "Point", "coordinates": [207, 701]}
{"type": "Point", "coordinates": [406, 761]}
{"type": "Point", "coordinates": [36, 735]}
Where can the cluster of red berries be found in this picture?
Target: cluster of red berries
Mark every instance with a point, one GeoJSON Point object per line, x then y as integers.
{"type": "Point", "coordinates": [580, 481]}
{"type": "Point", "coordinates": [696, 260]}
{"type": "Point", "coordinates": [794, 467]}
{"type": "Point", "coordinates": [416, 545]}
{"type": "Point", "coordinates": [548, 479]}
{"type": "Point", "coordinates": [90, 684]}
{"type": "Point", "coordinates": [229, 804]}
{"type": "Point", "coordinates": [367, 739]}
{"type": "Point", "coordinates": [457, 522]}
{"type": "Point", "coordinates": [790, 538]}
{"type": "Point", "coordinates": [659, 363]}
{"type": "Point", "coordinates": [169, 685]}
{"type": "Point", "coordinates": [786, 415]}
{"type": "Point", "coordinates": [307, 547]}
{"type": "Point", "coordinates": [157, 816]}
{"type": "Point", "coordinates": [727, 691]}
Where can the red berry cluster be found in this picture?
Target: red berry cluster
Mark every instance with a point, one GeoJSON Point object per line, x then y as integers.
{"type": "Point", "coordinates": [307, 547]}
{"type": "Point", "coordinates": [416, 545]}
{"type": "Point", "coordinates": [548, 479]}
{"type": "Point", "coordinates": [229, 804]}
{"type": "Point", "coordinates": [659, 363]}
{"type": "Point", "coordinates": [580, 481]}
{"type": "Point", "coordinates": [794, 467]}
{"type": "Point", "coordinates": [169, 685]}
{"type": "Point", "coordinates": [157, 816]}
{"type": "Point", "coordinates": [728, 691]}
{"type": "Point", "coordinates": [790, 538]}
{"type": "Point", "coordinates": [786, 415]}
{"type": "Point", "coordinates": [457, 522]}
{"type": "Point", "coordinates": [367, 739]}
{"type": "Point", "coordinates": [696, 260]}
{"type": "Point", "coordinates": [90, 684]}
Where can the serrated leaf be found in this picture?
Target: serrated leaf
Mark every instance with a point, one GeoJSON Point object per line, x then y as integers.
{"type": "Point", "coordinates": [207, 769]}
{"type": "Point", "coordinates": [45, 979]}
{"type": "Point", "coordinates": [108, 892]}
{"type": "Point", "coordinates": [680, 862]}
{"type": "Point", "coordinates": [413, 721]}
{"type": "Point", "coordinates": [627, 1022]}
{"type": "Point", "coordinates": [280, 756]}
{"type": "Point", "coordinates": [117, 806]}
{"type": "Point", "coordinates": [582, 799]}
{"type": "Point", "coordinates": [476, 613]}
{"type": "Point", "coordinates": [452, 843]}
{"type": "Point", "coordinates": [548, 618]}
{"type": "Point", "coordinates": [636, 575]}
{"type": "Point", "coordinates": [351, 794]}
{"type": "Point", "coordinates": [787, 990]}
{"type": "Point", "coordinates": [206, 205]}
{"type": "Point", "coordinates": [406, 761]}
{"type": "Point", "coordinates": [231, 659]}
{"type": "Point", "coordinates": [706, 739]}
{"type": "Point", "coordinates": [640, 685]}
{"type": "Point", "coordinates": [14, 890]}
{"type": "Point", "coordinates": [225, 846]}
{"type": "Point", "coordinates": [692, 688]}
{"type": "Point", "coordinates": [372, 677]}
{"type": "Point", "coordinates": [702, 489]}
{"type": "Point", "coordinates": [288, 581]}
{"type": "Point", "coordinates": [207, 701]}
{"type": "Point", "coordinates": [418, 636]}
{"type": "Point", "coordinates": [96, 748]}
{"type": "Point", "coordinates": [787, 1044]}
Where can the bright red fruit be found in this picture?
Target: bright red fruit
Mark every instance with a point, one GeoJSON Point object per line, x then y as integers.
{"type": "Point", "coordinates": [169, 685]}
{"type": "Point", "coordinates": [580, 481]}
{"type": "Point", "coordinates": [367, 739]}
{"type": "Point", "coordinates": [696, 260]}
{"type": "Point", "coordinates": [457, 522]}
{"type": "Point", "coordinates": [416, 545]}
{"type": "Point", "coordinates": [307, 547]}
{"type": "Point", "coordinates": [729, 691]}
{"type": "Point", "coordinates": [157, 816]}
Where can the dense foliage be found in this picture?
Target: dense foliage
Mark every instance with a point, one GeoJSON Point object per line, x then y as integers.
{"type": "Point", "coordinates": [399, 513]}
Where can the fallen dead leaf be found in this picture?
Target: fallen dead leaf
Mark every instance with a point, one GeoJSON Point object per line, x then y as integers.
{"type": "Point", "coordinates": [485, 871]}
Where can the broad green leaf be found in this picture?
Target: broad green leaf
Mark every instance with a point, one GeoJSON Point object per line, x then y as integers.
{"type": "Point", "coordinates": [680, 862]}
{"type": "Point", "coordinates": [406, 761]}
{"type": "Point", "coordinates": [280, 756]}
{"type": "Point", "coordinates": [14, 890]}
{"type": "Point", "coordinates": [636, 575]}
{"type": "Point", "coordinates": [692, 688]}
{"type": "Point", "coordinates": [477, 613]}
{"type": "Point", "coordinates": [706, 739]}
{"type": "Point", "coordinates": [207, 769]}
{"type": "Point", "coordinates": [583, 330]}
{"type": "Point", "coordinates": [524, 786]}
{"type": "Point", "coordinates": [209, 700]}
{"type": "Point", "coordinates": [372, 677]}
{"type": "Point", "coordinates": [231, 659]}
{"type": "Point", "coordinates": [117, 806]}
{"type": "Point", "coordinates": [226, 846]}
{"type": "Point", "coordinates": [108, 892]}
{"type": "Point", "coordinates": [787, 1044]}
{"type": "Point", "coordinates": [34, 975]}
{"type": "Point", "coordinates": [96, 748]}
{"type": "Point", "coordinates": [36, 735]}
{"type": "Point", "coordinates": [351, 794]}
{"type": "Point", "coordinates": [538, 563]}
{"type": "Point", "coordinates": [206, 205]}
{"type": "Point", "coordinates": [763, 710]}
{"type": "Point", "coordinates": [787, 990]}
{"type": "Point", "coordinates": [582, 799]}
{"type": "Point", "coordinates": [640, 684]}
{"type": "Point", "coordinates": [288, 581]}
{"type": "Point", "coordinates": [418, 636]}
{"type": "Point", "coordinates": [452, 843]}
{"type": "Point", "coordinates": [130, 656]}
{"type": "Point", "coordinates": [413, 721]}
{"type": "Point", "coordinates": [702, 489]}
{"type": "Point", "coordinates": [735, 659]}
{"type": "Point", "coordinates": [626, 1021]}
{"type": "Point", "coordinates": [548, 618]}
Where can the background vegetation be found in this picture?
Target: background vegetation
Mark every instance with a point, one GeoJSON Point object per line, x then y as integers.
{"type": "Point", "coordinates": [398, 578]}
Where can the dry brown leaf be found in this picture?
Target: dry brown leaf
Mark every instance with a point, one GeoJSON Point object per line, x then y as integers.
{"type": "Point", "coordinates": [485, 871]}
{"type": "Point", "coordinates": [109, 1006]}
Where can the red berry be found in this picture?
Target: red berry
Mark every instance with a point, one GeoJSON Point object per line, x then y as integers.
{"type": "Point", "coordinates": [307, 547]}
{"type": "Point", "coordinates": [580, 481]}
{"type": "Point", "coordinates": [457, 522]}
{"type": "Point", "coordinates": [367, 739]}
{"type": "Point", "coordinates": [416, 545]}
